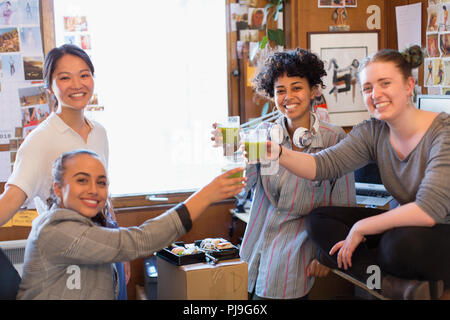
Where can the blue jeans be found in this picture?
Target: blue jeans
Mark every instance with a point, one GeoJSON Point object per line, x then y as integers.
{"type": "Point", "coordinates": [122, 281]}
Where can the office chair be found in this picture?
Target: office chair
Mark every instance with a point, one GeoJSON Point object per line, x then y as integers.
{"type": "Point", "coordinates": [9, 278]}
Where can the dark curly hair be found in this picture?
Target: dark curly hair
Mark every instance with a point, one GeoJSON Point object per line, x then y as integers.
{"type": "Point", "coordinates": [294, 63]}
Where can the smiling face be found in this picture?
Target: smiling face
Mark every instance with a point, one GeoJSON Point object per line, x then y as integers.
{"type": "Point", "coordinates": [72, 82]}
{"type": "Point", "coordinates": [84, 188]}
{"type": "Point", "coordinates": [293, 96]}
{"type": "Point", "coordinates": [385, 90]}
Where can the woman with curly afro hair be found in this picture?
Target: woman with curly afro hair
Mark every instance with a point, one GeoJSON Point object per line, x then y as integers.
{"type": "Point", "coordinates": [279, 253]}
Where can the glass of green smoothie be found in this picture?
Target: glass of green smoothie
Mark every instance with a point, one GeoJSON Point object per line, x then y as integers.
{"type": "Point", "coordinates": [230, 135]}
{"type": "Point", "coordinates": [232, 162]}
{"type": "Point", "coordinates": [255, 143]}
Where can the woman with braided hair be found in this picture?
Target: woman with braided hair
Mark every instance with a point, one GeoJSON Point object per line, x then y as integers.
{"type": "Point", "coordinates": [412, 150]}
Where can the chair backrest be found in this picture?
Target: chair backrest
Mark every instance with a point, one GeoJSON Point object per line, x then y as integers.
{"type": "Point", "coordinates": [9, 278]}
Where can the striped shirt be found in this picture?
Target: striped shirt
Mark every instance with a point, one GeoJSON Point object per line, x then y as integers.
{"type": "Point", "coordinates": [275, 244]}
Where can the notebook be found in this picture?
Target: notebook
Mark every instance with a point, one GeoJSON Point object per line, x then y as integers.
{"type": "Point", "coordinates": [370, 191]}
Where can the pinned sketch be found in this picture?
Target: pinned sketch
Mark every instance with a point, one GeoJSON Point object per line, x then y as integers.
{"type": "Point", "coordinates": [432, 24]}
{"type": "Point", "coordinates": [444, 44]}
{"type": "Point", "coordinates": [447, 73]}
{"type": "Point", "coordinates": [428, 70]}
{"type": "Point", "coordinates": [12, 67]}
{"type": "Point", "coordinates": [9, 13]}
{"type": "Point", "coordinates": [432, 45]}
{"type": "Point", "coordinates": [30, 40]}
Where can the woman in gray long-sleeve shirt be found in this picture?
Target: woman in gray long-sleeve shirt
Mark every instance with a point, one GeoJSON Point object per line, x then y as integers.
{"type": "Point", "coordinates": [412, 150]}
{"type": "Point", "coordinates": [70, 250]}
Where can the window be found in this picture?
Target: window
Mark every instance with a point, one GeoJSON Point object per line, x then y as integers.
{"type": "Point", "coordinates": [161, 75]}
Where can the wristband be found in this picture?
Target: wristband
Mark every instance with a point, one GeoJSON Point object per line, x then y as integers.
{"type": "Point", "coordinates": [184, 215]}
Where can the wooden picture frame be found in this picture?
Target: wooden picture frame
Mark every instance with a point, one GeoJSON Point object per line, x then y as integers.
{"type": "Point", "coordinates": [342, 53]}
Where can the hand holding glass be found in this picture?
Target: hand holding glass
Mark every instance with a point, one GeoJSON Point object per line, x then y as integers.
{"type": "Point", "coordinates": [230, 135]}
{"type": "Point", "coordinates": [255, 143]}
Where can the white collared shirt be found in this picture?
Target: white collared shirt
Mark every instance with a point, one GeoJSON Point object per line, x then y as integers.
{"type": "Point", "coordinates": [33, 166]}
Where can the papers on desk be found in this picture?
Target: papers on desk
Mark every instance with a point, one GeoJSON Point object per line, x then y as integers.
{"type": "Point", "coordinates": [241, 216]}
{"type": "Point", "coordinates": [22, 219]}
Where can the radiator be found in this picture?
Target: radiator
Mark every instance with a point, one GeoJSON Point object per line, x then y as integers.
{"type": "Point", "coordinates": [15, 251]}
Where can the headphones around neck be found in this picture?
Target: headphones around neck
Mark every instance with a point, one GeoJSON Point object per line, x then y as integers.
{"type": "Point", "coordinates": [302, 137]}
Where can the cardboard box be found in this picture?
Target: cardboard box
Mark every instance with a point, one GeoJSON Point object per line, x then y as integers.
{"type": "Point", "coordinates": [227, 280]}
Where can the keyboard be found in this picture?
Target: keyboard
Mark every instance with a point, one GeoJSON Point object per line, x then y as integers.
{"type": "Point", "coordinates": [372, 193]}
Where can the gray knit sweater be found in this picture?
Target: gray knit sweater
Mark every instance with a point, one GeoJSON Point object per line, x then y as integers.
{"type": "Point", "coordinates": [422, 177]}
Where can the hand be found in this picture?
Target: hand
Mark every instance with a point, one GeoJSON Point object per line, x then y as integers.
{"type": "Point", "coordinates": [316, 269]}
{"type": "Point", "coordinates": [224, 187]}
{"type": "Point", "coordinates": [127, 271]}
{"type": "Point", "coordinates": [347, 247]}
{"type": "Point", "coordinates": [273, 150]}
{"type": "Point", "coordinates": [216, 136]}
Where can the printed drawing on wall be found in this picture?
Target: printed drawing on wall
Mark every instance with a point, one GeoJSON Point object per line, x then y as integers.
{"type": "Point", "coordinates": [342, 54]}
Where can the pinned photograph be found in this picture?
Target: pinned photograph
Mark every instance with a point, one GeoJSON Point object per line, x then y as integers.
{"type": "Point", "coordinates": [75, 24]}
{"type": "Point", "coordinates": [239, 17]}
{"type": "Point", "coordinates": [9, 40]}
{"type": "Point", "coordinates": [33, 68]}
{"type": "Point", "coordinates": [32, 116]}
{"type": "Point", "coordinates": [85, 40]}
{"type": "Point", "coordinates": [31, 96]}
{"type": "Point", "coordinates": [244, 35]}
{"type": "Point", "coordinates": [331, 3]}
{"type": "Point", "coordinates": [70, 39]}
{"type": "Point", "coordinates": [29, 117]}
{"type": "Point", "coordinates": [257, 19]}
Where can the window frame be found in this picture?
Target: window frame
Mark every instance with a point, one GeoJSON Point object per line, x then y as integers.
{"type": "Point", "coordinates": [140, 201]}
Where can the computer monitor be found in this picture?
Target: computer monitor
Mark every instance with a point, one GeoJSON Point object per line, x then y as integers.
{"type": "Point", "coordinates": [435, 103]}
{"type": "Point", "coordinates": [368, 174]}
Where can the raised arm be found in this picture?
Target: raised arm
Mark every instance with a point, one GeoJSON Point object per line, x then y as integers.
{"type": "Point", "coordinates": [10, 202]}
{"type": "Point", "coordinates": [299, 163]}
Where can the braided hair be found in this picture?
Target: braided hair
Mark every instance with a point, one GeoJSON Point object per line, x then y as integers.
{"type": "Point", "coordinates": [103, 217]}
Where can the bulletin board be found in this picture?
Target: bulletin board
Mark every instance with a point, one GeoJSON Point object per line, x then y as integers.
{"type": "Point", "coordinates": [437, 63]}
{"type": "Point", "coordinates": [23, 99]}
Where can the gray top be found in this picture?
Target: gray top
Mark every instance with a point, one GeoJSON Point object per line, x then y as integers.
{"type": "Point", "coordinates": [69, 257]}
{"type": "Point", "coordinates": [422, 177]}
